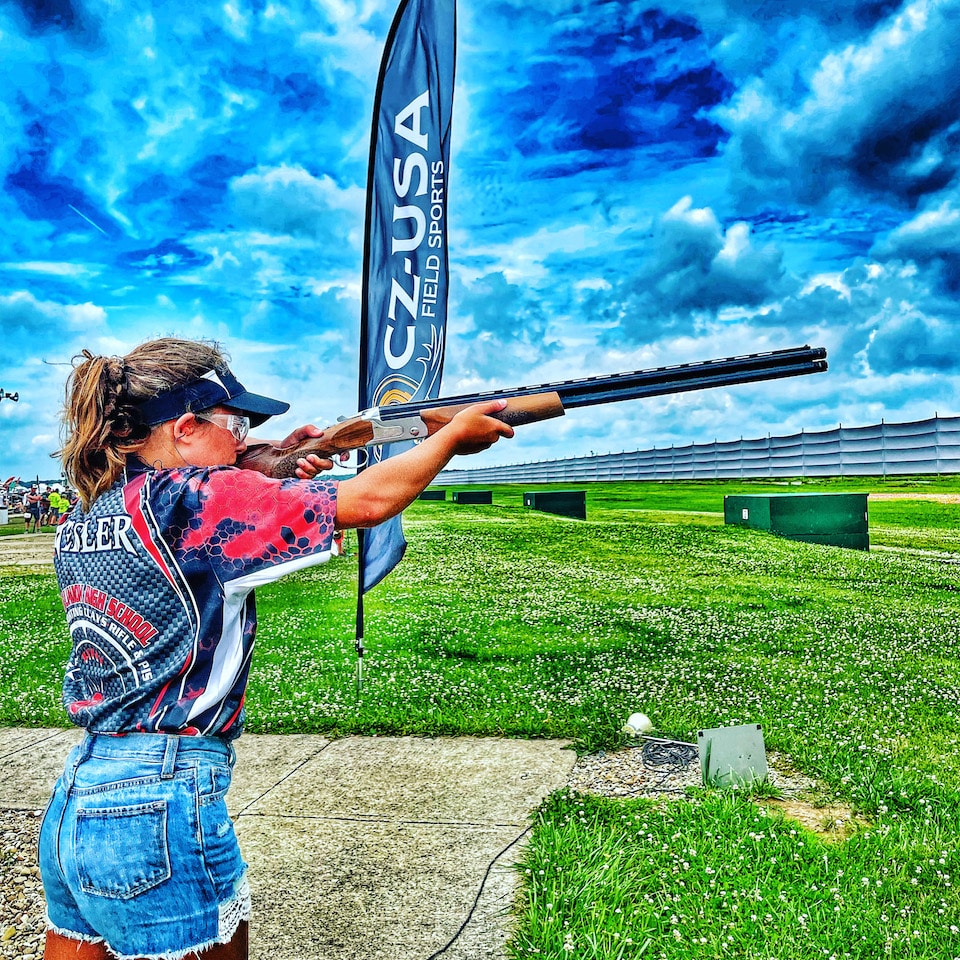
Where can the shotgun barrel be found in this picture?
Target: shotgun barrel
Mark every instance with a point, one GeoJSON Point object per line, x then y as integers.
{"type": "Point", "coordinates": [418, 419]}
{"type": "Point", "coordinates": [772, 365]}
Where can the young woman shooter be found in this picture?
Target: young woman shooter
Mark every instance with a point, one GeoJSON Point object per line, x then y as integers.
{"type": "Point", "coordinates": [156, 567]}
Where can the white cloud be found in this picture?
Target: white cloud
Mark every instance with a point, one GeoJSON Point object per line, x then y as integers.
{"type": "Point", "coordinates": [289, 199]}
{"type": "Point", "coordinates": [23, 315]}
{"type": "Point", "coordinates": [79, 271]}
{"type": "Point", "coordinates": [933, 232]}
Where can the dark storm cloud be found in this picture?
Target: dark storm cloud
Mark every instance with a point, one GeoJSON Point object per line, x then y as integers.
{"type": "Point", "coordinates": [167, 257]}
{"type": "Point", "coordinates": [906, 343]}
{"type": "Point", "coordinates": [879, 115]}
{"type": "Point", "coordinates": [57, 16]}
{"type": "Point", "coordinates": [696, 266]}
{"type": "Point", "coordinates": [621, 79]}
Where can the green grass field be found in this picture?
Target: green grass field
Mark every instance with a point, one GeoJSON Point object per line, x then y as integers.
{"type": "Point", "coordinates": [17, 527]}
{"type": "Point", "coordinates": [503, 621]}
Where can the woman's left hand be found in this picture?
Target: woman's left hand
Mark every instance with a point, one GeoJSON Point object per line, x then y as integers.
{"type": "Point", "coordinates": [309, 466]}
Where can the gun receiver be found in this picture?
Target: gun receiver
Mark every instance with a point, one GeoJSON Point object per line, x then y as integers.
{"type": "Point", "coordinates": [421, 418]}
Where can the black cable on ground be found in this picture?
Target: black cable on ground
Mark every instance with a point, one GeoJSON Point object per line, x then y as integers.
{"type": "Point", "coordinates": [476, 900]}
{"type": "Point", "coordinates": [674, 755]}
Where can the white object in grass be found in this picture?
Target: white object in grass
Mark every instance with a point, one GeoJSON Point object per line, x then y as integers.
{"type": "Point", "coordinates": [637, 724]}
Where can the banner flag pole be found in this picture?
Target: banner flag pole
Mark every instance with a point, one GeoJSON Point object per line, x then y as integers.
{"type": "Point", "coordinates": [358, 643]}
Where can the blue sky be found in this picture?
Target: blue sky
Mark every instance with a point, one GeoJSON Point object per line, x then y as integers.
{"type": "Point", "coordinates": [631, 186]}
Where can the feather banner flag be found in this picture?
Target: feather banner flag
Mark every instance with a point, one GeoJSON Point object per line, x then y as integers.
{"type": "Point", "coordinates": [404, 300]}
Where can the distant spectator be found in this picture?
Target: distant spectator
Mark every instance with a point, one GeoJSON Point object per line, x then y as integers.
{"type": "Point", "coordinates": [33, 508]}
{"type": "Point", "coordinates": [58, 506]}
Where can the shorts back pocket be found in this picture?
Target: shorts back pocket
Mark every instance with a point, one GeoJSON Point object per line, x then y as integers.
{"type": "Point", "coordinates": [122, 851]}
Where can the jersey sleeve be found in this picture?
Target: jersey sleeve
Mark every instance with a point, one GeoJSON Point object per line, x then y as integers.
{"type": "Point", "coordinates": [251, 527]}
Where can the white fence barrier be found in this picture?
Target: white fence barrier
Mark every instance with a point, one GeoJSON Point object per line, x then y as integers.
{"type": "Point", "coordinates": [886, 449]}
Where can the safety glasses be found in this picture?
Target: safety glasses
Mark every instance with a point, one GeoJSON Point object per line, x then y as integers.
{"type": "Point", "coordinates": [237, 425]}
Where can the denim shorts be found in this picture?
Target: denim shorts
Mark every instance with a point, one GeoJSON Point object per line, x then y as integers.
{"type": "Point", "coordinates": [137, 849]}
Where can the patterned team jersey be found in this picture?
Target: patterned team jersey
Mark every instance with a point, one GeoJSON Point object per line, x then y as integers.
{"type": "Point", "coordinates": [157, 582]}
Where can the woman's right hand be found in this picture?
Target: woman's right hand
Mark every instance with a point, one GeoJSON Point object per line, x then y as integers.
{"type": "Point", "coordinates": [385, 489]}
{"type": "Point", "coordinates": [475, 428]}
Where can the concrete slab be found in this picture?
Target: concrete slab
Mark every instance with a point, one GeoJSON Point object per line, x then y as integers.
{"type": "Point", "coordinates": [454, 780]}
{"type": "Point", "coordinates": [264, 761]}
{"type": "Point", "coordinates": [364, 847]}
{"type": "Point", "coordinates": [334, 890]}
{"type": "Point", "coordinates": [379, 846]}
{"type": "Point", "coordinates": [32, 760]}
{"type": "Point", "coordinates": [13, 739]}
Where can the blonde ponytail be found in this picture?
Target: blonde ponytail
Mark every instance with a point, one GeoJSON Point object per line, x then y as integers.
{"type": "Point", "coordinates": [101, 422]}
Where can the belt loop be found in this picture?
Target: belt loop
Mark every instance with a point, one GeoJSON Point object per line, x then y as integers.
{"type": "Point", "coordinates": [169, 758]}
{"type": "Point", "coordinates": [83, 750]}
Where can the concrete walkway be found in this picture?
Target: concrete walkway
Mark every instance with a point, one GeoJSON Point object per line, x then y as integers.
{"type": "Point", "coordinates": [363, 847]}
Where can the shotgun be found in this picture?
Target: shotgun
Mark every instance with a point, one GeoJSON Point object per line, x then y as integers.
{"type": "Point", "coordinates": [421, 418]}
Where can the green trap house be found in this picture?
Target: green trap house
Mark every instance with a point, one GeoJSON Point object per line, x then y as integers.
{"type": "Point", "coordinates": [565, 503]}
{"type": "Point", "coordinates": [473, 496]}
{"type": "Point", "coordinates": [836, 519]}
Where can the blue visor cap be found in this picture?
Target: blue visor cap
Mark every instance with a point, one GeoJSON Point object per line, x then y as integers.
{"type": "Point", "coordinates": [218, 388]}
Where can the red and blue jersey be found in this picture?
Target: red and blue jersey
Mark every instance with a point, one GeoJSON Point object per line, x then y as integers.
{"type": "Point", "coordinates": [157, 582]}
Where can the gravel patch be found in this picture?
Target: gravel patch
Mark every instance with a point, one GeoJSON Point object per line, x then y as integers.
{"type": "Point", "coordinates": [651, 768]}
{"type": "Point", "coordinates": [22, 908]}
{"type": "Point", "coordinates": [654, 768]}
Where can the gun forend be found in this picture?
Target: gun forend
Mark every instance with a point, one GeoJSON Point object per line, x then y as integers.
{"type": "Point", "coordinates": [518, 411]}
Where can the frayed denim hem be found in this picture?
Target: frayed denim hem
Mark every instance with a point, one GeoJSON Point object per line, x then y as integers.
{"type": "Point", "coordinates": [72, 934]}
{"type": "Point", "coordinates": [232, 913]}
